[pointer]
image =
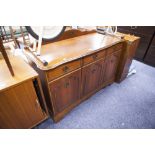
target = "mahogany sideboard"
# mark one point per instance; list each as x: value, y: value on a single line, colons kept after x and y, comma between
x: 80, y: 66
x: 22, y: 104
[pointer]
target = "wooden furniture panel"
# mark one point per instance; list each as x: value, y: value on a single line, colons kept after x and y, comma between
x: 143, y: 46
x: 150, y: 56
x: 22, y: 72
x: 66, y: 90
x: 63, y: 69
x: 118, y: 47
x: 110, y: 50
x: 91, y: 77
x: 115, y: 48
x: 111, y: 66
x: 22, y: 104
x: 20, y: 107
x: 126, y: 57
x: 71, y: 33
x: 94, y: 57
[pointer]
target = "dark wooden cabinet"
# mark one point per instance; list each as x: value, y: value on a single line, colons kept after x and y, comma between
x: 150, y: 56
x: 66, y: 90
x: 111, y: 65
x: 91, y: 77
x: 145, y: 33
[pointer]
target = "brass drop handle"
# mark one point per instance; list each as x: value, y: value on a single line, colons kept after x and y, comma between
x: 66, y: 85
x: 65, y: 69
x: 94, y: 56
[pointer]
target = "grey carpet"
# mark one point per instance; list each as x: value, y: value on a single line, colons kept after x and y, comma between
x: 130, y: 104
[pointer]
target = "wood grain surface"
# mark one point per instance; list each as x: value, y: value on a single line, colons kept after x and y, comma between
x: 70, y: 49
x: 21, y: 69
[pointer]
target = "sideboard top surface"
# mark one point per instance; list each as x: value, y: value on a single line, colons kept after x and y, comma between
x: 60, y: 52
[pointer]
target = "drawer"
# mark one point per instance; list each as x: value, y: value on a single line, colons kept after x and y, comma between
x: 118, y: 47
x: 63, y: 69
x: 115, y: 48
x: 93, y: 57
x: 117, y: 54
x: 110, y: 50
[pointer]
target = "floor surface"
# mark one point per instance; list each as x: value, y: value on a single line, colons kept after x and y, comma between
x: 128, y: 105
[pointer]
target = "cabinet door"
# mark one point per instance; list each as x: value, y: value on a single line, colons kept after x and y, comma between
x: 19, y: 107
x: 150, y: 56
x: 65, y: 91
x: 91, y: 77
x: 111, y: 66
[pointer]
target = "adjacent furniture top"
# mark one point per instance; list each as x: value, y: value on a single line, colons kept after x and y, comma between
x: 63, y: 51
x: 22, y: 72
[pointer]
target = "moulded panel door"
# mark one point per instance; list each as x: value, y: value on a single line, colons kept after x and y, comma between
x: 66, y: 90
x: 111, y: 66
x: 91, y: 77
x: 19, y: 107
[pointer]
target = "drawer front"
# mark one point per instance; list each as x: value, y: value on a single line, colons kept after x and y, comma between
x: 118, y: 47
x: 115, y: 48
x: 93, y: 57
x: 112, y: 62
x: 63, y: 69
x: 110, y: 50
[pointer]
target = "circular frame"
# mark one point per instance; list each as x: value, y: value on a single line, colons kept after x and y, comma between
x: 36, y: 36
